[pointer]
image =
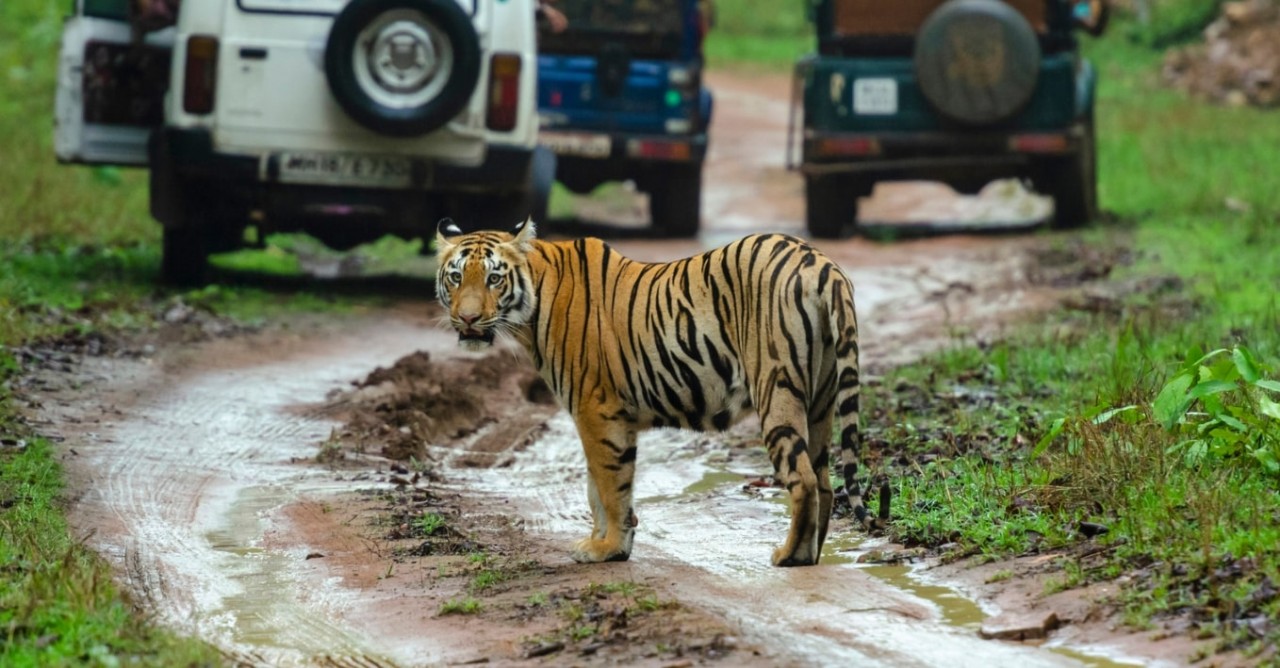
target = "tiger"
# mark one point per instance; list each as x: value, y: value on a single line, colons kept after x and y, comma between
x: 766, y: 321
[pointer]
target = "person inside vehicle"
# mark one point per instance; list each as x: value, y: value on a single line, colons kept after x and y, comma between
x: 554, y: 18
x: 151, y: 15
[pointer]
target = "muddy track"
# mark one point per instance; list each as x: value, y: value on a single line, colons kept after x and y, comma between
x: 195, y: 475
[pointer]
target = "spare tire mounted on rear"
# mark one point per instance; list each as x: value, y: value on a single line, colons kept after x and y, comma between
x: 402, y: 67
x: 977, y: 61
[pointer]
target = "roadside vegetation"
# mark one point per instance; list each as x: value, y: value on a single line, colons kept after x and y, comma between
x: 1144, y: 428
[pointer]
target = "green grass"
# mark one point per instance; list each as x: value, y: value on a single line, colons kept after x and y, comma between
x: 769, y: 33
x: 461, y: 606
x: 429, y: 523
x: 58, y: 605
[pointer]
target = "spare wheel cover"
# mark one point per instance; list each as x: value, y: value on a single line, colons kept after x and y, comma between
x: 977, y: 61
x: 402, y: 67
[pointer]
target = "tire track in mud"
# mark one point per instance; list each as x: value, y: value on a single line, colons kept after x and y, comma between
x: 184, y: 487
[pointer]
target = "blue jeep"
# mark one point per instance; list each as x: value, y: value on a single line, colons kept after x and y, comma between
x: 620, y: 97
x: 956, y: 90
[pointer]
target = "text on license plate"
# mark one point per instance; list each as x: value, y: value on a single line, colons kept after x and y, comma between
x: 583, y: 145
x: 345, y: 168
x: 875, y: 96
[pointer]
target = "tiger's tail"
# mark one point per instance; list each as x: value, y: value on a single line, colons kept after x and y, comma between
x: 844, y: 326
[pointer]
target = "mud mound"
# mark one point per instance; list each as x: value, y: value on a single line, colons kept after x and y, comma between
x: 403, y: 410
x: 1239, y: 62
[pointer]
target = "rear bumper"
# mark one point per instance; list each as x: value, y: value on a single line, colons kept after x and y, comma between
x: 841, y: 152
x: 617, y: 148
x: 642, y: 158
x: 190, y: 155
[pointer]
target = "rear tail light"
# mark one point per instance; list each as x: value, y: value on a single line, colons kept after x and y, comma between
x: 846, y: 146
x: 1039, y: 143
x: 504, y: 91
x: 201, y: 74
x: 659, y: 150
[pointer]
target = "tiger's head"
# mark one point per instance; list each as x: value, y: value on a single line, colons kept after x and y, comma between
x: 483, y: 280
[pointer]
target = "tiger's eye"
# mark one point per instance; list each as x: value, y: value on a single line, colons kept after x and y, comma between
x: 494, y: 280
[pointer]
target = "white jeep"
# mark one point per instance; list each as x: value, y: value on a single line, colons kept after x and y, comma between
x: 347, y: 120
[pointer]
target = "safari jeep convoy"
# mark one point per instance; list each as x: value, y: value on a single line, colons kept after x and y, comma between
x: 345, y: 120
x: 955, y: 90
x: 352, y: 119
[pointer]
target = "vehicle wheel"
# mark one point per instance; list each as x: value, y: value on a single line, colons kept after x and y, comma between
x: 1073, y: 184
x: 977, y: 61
x: 831, y: 203
x: 675, y: 203
x: 544, y: 177
x: 402, y: 67
x: 185, y: 255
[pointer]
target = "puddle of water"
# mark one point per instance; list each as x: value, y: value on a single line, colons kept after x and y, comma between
x: 711, y: 479
x: 956, y: 610
x: 1093, y: 660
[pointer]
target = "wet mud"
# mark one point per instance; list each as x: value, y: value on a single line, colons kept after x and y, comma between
x: 357, y: 491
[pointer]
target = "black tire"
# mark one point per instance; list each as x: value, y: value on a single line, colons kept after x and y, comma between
x: 977, y: 61
x: 831, y: 203
x: 1073, y: 184
x: 185, y: 255
x: 675, y: 203
x: 544, y: 177
x: 443, y: 19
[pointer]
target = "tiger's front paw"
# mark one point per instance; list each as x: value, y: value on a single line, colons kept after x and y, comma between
x: 590, y: 551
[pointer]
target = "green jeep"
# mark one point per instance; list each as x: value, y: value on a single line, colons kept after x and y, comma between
x: 960, y: 91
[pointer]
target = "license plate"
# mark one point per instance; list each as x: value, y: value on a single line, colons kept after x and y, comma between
x: 577, y: 144
x: 875, y: 97
x: 346, y: 169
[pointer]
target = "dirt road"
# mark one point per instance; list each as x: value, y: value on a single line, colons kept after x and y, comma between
x: 195, y: 474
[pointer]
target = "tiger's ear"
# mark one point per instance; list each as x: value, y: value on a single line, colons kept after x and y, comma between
x: 525, y: 232
x: 446, y: 229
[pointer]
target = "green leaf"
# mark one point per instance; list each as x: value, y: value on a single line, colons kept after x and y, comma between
x: 1055, y: 429
x: 1205, y: 358
x: 1192, y: 359
x: 1106, y: 416
x: 1245, y: 363
x: 1209, y: 387
x: 1172, y: 402
x: 1232, y: 422
x: 1272, y: 385
x: 1269, y: 408
x: 1267, y: 459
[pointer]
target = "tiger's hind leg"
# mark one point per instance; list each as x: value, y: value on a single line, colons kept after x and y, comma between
x: 610, y: 449
x: 820, y: 456
x: 785, y: 430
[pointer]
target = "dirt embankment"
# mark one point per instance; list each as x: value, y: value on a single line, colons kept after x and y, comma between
x: 1239, y: 61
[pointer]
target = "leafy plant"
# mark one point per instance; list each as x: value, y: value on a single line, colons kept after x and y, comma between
x: 486, y: 579
x: 1237, y: 415
x: 428, y: 524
